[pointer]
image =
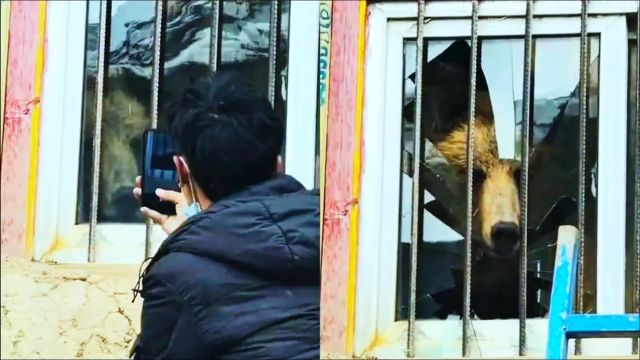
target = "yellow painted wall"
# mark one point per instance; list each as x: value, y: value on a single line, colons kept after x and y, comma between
x: 4, y: 41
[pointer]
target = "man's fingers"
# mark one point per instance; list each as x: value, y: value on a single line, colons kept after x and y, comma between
x: 168, y: 195
x: 153, y: 215
x: 137, y: 187
x: 137, y: 192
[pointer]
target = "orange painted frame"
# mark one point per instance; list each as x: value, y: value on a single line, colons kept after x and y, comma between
x: 25, y: 64
x: 343, y: 169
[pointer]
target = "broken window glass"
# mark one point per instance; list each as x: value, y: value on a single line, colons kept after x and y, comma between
x: 553, y: 174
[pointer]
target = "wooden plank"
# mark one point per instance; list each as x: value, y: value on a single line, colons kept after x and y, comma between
x: 20, y: 128
x: 344, y: 145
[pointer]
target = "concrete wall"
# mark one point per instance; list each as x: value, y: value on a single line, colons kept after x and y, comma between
x: 67, y: 311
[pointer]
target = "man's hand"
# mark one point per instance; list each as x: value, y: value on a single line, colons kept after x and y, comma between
x: 168, y: 223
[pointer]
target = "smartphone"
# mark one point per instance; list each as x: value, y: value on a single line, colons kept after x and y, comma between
x: 158, y: 170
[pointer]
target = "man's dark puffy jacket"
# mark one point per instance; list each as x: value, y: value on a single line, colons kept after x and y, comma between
x: 240, y: 280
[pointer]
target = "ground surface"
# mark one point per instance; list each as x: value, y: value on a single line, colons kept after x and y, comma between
x: 67, y: 311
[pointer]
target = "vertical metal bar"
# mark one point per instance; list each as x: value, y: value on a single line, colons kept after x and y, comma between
x: 524, y: 181
x: 156, y: 82
x: 274, y: 29
x: 103, y: 58
x: 466, y: 311
x: 636, y: 274
x: 418, y: 191
x: 158, y: 61
x: 216, y: 25
x: 539, y: 274
x: 584, y: 70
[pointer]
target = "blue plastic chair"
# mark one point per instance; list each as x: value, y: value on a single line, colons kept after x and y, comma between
x: 563, y: 323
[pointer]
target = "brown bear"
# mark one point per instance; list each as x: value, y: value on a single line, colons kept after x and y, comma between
x: 496, y: 231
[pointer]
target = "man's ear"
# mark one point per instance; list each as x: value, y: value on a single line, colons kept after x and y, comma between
x: 182, y: 168
x: 279, y: 165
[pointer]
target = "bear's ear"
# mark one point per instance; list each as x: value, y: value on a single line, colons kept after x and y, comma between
x: 458, y: 55
x: 449, y: 68
x: 445, y: 96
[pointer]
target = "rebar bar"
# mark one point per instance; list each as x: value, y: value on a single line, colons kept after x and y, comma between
x: 274, y: 29
x: 156, y: 84
x: 418, y: 191
x: 524, y: 181
x: 584, y: 66
x: 214, y: 40
x: 103, y: 58
x: 466, y: 311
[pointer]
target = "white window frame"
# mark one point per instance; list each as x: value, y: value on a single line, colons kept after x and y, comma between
x: 57, y: 236
x: 389, y: 24
x: 302, y: 93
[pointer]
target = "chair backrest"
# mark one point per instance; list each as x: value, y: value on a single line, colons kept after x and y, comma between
x: 563, y: 323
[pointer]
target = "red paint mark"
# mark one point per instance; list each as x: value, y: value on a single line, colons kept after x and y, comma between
x: 340, y: 171
x: 341, y: 210
x: 24, y: 43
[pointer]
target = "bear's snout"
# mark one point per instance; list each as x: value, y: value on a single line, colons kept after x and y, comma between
x: 505, y: 237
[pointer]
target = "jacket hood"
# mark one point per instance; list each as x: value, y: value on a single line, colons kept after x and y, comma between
x: 271, y: 229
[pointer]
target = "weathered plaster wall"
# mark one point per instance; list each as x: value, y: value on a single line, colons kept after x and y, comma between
x: 65, y: 311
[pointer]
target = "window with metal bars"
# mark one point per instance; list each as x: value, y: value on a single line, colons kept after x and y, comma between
x: 119, y: 63
x: 194, y: 38
x: 497, y: 172
x: 475, y: 235
x: 150, y: 51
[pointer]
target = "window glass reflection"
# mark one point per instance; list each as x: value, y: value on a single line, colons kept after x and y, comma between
x: 127, y: 95
x: 126, y: 109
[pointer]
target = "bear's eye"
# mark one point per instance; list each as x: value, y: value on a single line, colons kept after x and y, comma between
x: 517, y: 175
x: 517, y: 178
x: 479, y: 175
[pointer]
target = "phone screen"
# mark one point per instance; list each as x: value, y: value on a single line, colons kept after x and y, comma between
x: 158, y: 170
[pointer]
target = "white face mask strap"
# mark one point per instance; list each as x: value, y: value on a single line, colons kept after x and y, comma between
x: 193, y: 208
x: 194, y: 194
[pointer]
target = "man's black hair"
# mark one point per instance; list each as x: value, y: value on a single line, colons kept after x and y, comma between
x: 228, y: 133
